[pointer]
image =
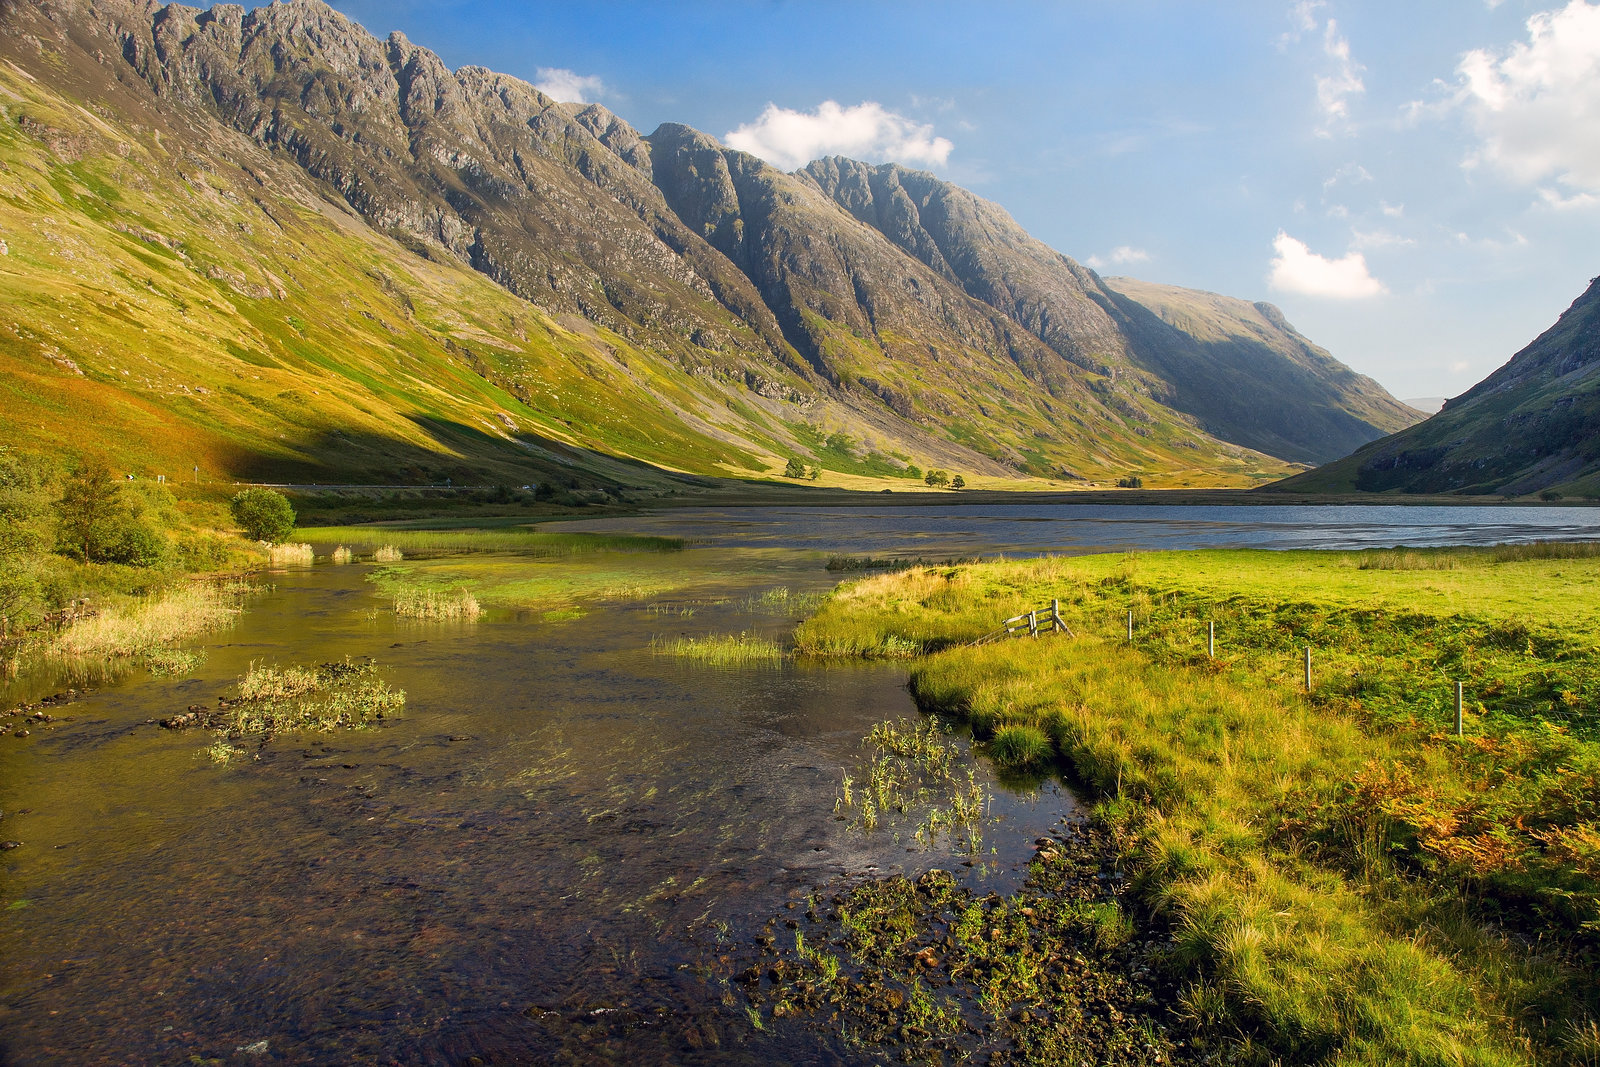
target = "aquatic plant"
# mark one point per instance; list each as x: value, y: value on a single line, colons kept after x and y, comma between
x: 343, y: 695
x: 388, y: 554
x: 426, y: 602
x: 290, y: 555
x: 167, y: 662
x: 341, y: 555
x: 148, y: 627
x: 723, y: 650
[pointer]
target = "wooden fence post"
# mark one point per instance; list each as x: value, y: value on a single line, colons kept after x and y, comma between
x: 1033, y: 624
x: 1211, y: 640
x: 1130, y: 626
x: 1458, y: 709
x: 1308, y: 668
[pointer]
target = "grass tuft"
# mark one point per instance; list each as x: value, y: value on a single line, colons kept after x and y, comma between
x: 422, y: 602
x: 723, y: 650
x: 388, y: 554
x: 291, y: 555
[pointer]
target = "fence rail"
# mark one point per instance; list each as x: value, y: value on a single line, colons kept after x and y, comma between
x: 1040, y: 620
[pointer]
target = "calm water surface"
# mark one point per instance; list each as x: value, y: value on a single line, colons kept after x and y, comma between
x: 563, y: 847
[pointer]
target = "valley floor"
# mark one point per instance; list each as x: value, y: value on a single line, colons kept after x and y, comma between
x: 1330, y: 872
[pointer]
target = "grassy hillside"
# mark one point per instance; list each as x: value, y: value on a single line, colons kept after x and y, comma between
x: 305, y: 302
x: 1531, y: 427
x: 1342, y: 879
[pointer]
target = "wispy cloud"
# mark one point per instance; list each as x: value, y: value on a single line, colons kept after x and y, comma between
x: 1297, y: 269
x: 1335, y: 88
x: 569, y: 87
x: 1121, y: 256
x: 868, y: 131
x: 1536, y: 105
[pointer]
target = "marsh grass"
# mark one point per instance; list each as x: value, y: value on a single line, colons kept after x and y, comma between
x: 290, y: 555
x: 1344, y: 882
x: 780, y: 601
x: 521, y: 540
x: 912, y: 772
x: 342, y: 555
x: 424, y: 602
x: 171, y: 662
x: 329, y: 697
x: 388, y: 554
x: 723, y: 650
x: 146, y: 631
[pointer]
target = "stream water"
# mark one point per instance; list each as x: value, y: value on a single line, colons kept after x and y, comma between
x: 558, y: 852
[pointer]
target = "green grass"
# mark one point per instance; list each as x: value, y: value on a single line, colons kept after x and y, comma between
x: 1344, y: 880
x: 321, y: 699
x: 420, y: 602
x: 723, y: 650
x: 521, y: 540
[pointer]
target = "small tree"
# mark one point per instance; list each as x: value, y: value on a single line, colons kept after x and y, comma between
x: 958, y: 482
x: 88, y: 512
x: 263, y: 514
x: 1132, y: 481
x: 795, y: 469
x: 937, y: 478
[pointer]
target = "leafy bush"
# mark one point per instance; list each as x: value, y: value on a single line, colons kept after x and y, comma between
x: 794, y: 469
x: 937, y: 478
x: 263, y: 514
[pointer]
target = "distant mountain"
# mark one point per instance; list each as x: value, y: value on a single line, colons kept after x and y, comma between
x: 1533, y: 426
x: 268, y: 243
x: 1250, y: 377
x: 1428, y: 405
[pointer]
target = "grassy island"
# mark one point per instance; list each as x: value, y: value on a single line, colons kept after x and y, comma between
x: 1342, y: 878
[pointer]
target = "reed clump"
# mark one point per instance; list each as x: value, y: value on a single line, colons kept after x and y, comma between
x: 332, y: 696
x: 424, y: 602
x: 743, y: 649
x: 290, y: 555
x: 342, y: 555
x: 146, y: 630
x: 388, y: 554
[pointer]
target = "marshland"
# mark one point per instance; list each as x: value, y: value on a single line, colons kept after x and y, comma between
x: 667, y: 788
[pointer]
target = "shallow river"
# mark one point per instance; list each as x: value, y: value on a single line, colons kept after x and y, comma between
x: 559, y: 851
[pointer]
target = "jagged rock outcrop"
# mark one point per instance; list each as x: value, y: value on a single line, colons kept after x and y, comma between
x: 876, y: 299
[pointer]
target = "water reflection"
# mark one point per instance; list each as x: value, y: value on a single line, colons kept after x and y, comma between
x: 987, y: 529
x: 560, y: 833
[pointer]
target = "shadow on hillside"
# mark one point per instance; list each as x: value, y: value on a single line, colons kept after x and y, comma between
x: 458, y: 455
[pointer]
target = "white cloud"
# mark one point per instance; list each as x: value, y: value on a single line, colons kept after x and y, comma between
x: 568, y: 87
x: 1555, y: 200
x: 1334, y: 90
x: 1537, y: 105
x: 868, y: 131
x: 1297, y: 269
x: 1380, y: 239
x: 1302, y: 20
x: 1350, y: 173
x: 1460, y: 367
x: 1121, y: 256
x: 1393, y: 211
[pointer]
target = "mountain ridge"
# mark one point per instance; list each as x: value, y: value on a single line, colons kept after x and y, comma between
x: 1532, y: 426
x: 784, y: 317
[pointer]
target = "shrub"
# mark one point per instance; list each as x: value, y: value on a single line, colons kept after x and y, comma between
x: 794, y: 469
x: 263, y: 514
x: 1132, y: 481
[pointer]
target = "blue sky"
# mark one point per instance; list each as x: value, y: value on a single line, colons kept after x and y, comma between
x: 1417, y: 185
